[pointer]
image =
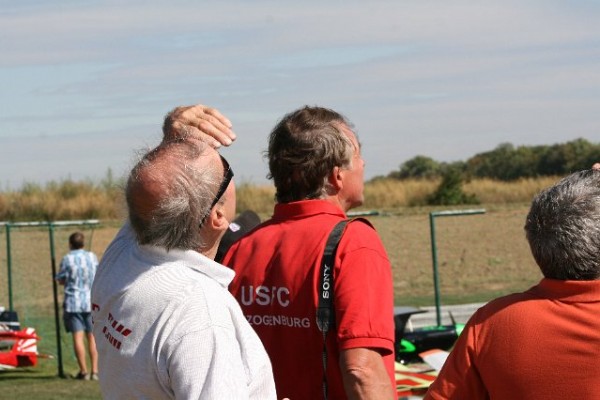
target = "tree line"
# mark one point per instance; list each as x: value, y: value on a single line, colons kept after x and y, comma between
x: 83, y: 200
x: 508, y: 162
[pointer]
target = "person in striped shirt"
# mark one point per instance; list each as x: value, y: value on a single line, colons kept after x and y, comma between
x: 77, y: 271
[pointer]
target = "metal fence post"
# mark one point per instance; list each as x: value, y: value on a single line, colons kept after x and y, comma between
x: 436, y: 280
x: 61, y: 372
x: 9, y: 268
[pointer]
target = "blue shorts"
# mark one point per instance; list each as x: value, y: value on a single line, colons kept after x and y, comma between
x: 75, y: 322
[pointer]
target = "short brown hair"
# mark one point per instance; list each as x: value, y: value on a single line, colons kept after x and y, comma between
x: 304, y: 147
x: 76, y: 240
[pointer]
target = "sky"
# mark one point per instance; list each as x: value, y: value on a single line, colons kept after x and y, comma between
x: 85, y: 85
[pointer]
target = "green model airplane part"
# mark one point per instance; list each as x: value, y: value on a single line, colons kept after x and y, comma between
x: 409, y: 343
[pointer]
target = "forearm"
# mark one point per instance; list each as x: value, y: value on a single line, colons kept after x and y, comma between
x: 364, y: 375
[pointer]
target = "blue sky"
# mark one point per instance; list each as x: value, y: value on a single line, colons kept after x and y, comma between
x: 85, y: 84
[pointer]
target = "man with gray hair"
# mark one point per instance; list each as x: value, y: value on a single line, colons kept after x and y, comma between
x: 165, y: 325
x: 542, y: 343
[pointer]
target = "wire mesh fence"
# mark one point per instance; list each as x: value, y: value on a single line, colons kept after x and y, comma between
x: 30, y: 255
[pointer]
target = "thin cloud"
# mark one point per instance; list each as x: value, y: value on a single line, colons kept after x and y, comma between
x: 444, y: 79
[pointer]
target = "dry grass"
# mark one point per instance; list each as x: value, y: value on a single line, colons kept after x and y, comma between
x: 257, y: 198
x: 392, y: 193
x: 489, y: 191
x: 80, y: 200
x: 479, y: 256
x: 66, y: 200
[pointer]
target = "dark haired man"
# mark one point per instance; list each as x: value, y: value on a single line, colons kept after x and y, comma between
x: 165, y: 324
x: 77, y: 271
x: 542, y: 343
x: 317, y: 168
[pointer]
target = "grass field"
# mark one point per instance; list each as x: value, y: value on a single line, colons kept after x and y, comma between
x: 479, y: 257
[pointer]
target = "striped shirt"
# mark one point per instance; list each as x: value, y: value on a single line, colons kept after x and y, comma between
x: 78, y: 269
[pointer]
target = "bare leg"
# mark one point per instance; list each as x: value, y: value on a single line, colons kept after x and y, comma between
x: 79, y: 347
x: 93, y: 352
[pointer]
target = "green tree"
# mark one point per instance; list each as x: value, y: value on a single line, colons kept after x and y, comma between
x: 450, y: 190
x: 417, y: 167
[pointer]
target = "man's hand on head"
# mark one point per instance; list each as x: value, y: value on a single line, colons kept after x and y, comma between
x: 199, y: 122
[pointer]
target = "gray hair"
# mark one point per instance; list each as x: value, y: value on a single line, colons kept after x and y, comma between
x: 167, y: 195
x: 563, y: 228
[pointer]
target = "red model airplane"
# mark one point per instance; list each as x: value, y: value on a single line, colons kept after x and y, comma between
x: 23, y: 348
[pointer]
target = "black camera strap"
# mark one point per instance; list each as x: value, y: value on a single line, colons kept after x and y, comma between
x: 325, y: 309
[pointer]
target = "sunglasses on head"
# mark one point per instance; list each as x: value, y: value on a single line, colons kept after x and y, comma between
x: 227, y: 175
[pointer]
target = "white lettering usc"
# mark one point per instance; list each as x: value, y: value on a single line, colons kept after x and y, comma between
x: 265, y: 295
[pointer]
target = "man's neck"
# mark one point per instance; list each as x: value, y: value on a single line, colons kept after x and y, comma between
x: 209, y: 252
x: 338, y: 202
x: 212, y: 246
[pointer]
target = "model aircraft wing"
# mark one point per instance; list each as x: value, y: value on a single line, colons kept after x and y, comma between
x: 23, y: 352
x: 413, y: 379
x: 435, y: 358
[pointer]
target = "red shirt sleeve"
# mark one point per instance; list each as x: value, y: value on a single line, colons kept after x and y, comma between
x: 364, y: 299
x: 459, y: 378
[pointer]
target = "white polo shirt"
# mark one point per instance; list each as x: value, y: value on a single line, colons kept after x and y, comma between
x: 167, y: 328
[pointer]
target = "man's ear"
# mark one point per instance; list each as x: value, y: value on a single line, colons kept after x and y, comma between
x: 336, y: 178
x: 218, y: 220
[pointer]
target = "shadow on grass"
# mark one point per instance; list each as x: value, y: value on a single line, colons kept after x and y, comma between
x: 31, y: 384
x: 26, y: 373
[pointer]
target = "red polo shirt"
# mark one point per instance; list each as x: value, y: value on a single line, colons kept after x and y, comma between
x: 277, y: 269
x: 540, y: 344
